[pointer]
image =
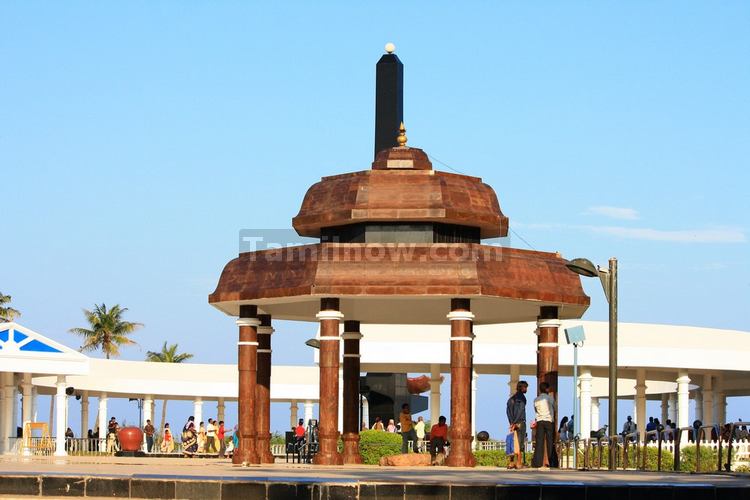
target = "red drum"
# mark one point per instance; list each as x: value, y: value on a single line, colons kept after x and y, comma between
x: 131, y: 438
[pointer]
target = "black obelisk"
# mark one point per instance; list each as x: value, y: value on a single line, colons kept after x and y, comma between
x: 389, y: 101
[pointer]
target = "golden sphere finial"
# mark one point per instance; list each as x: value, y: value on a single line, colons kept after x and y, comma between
x: 401, y: 139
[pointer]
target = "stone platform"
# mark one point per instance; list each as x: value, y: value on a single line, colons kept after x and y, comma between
x: 127, y: 477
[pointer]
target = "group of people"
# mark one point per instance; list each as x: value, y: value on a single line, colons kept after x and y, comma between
x: 207, y: 439
x: 545, y: 454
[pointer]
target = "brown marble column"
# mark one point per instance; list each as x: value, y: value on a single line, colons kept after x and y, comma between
x: 263, y: 391
x: 547, y: 350
x: 328, y: 432
x: 247, y: 365
x: 350, y: 437
x: 461, y: 364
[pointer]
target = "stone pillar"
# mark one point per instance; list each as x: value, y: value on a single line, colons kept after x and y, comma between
x: 462, y: 340
x: 247, y: 359
x: 27, y: 399
x: 474, y: 377
x: 594, y: 414
x: 220, y: 409
x: 683, y: 400
x: 308, y: 412
x: 720, y: 407
x: 698, y: 397
x: 328, y: 433
x: 664, y: 408
x: 547, y: 351
x: 198, y: 411
x: 293, y: 412
x: 148, y: 414
x: 640, y: 403
x: 263, y: 391
x: 435, y: 383
x: 34, y: 405
x: 351, y: 424
x: 515, y: 376
x: 61, y: 424
x: 708, y: 401
x: 103, y: 421
x: 585, y: 417
x: 672, y: 408
x: 84, y: 414
x: 365, y: 411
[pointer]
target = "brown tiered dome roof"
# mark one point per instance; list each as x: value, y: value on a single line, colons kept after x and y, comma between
x: 401, y: 187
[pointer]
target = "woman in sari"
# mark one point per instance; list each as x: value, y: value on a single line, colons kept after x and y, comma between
x: 189, y: 439
x: 167, y: 443
x: 202, y: 438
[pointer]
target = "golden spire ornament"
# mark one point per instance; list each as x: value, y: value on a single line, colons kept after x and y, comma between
x: 401, y: 139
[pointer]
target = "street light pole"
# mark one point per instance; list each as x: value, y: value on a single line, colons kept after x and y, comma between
x: 612, y: 298
x: 608, y: 277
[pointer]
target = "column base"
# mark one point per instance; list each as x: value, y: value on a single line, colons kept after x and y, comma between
x: 245, y: 454
x: 328, y: 454
x: 460, y: 453
x: 351, y: 454
x: 263, y: 447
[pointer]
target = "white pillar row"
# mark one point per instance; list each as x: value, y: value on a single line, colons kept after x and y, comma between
x: 683, y: 400
x: 672, y: 408
x: 26, y: 408
x: 474, y: 377
x: 198, y: 411
x: 595, y: 414
x: 293, y: 412
x: 435, y: 383
x: 61, y: 424
x: 84, y: 414
x: 220, y: 409
x: 9, y: 420
x: 708, y: 400
x: 103, y: 421
x: 640, y: 403
x: 664, y: 408
x: 698, y: 397
x: 584, y: 396
x: 515, y: 375
x: 308, y: 411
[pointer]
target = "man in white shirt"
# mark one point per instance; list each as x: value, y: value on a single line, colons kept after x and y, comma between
x: 544, y: 444
x: 419, y: 429
x: 211, y: 437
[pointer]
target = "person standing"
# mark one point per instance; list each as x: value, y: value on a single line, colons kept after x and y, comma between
x: 407, y: 430
x: 211, y: 437
x: 220, y: 432
x: 419, y: 429
x: 149, y: 431
x: 544, y: 444
x: 378, y: 425
x: 516, y: 412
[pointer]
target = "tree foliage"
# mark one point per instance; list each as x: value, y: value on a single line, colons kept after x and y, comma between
x: 107, y: 330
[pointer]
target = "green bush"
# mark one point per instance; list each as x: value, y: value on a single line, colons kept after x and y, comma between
x: 491, y: 458
x: 709, y: 458
x: 376, y: 444
x: 277, y: 438
x: 742, y: 468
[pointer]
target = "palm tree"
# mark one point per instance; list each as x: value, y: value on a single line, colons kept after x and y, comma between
x: 108, y: 330
x: 7, y: 313
x: 167, y: 355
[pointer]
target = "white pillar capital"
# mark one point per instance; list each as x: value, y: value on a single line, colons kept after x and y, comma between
x: 248, y: 322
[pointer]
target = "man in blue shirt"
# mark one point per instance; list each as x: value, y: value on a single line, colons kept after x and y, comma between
x: 516, y: 411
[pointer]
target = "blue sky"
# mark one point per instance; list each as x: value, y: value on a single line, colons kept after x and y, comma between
x: 138, y: 138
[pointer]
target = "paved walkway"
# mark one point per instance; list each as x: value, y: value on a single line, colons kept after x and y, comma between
x: 215, y: 469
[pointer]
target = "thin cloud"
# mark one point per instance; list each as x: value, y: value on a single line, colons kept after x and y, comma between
x: 718, y: 234
x: 621, y: 213
x: 713, y: 235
